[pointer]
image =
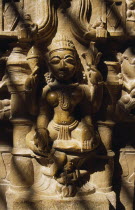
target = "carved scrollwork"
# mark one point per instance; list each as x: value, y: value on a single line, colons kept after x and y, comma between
x: 85, y: 26
x: 81, y: 17
x: 47, y: 24
x: 27, y: 21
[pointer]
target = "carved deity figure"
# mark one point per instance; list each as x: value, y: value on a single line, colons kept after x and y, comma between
x: 65, y: 121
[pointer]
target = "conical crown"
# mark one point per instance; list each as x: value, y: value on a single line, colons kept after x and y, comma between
x: 61, y: 42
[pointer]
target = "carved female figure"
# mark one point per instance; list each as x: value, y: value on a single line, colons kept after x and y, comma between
x: 64, y: 121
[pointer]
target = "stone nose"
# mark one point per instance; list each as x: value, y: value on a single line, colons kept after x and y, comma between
x: 63, y: 64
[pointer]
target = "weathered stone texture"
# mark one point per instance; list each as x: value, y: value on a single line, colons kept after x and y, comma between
x: 67, y: 104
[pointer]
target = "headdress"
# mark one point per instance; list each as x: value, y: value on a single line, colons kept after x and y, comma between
x: 61, y: 42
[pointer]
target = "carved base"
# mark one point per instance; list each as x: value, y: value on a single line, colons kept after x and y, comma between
x: 3, y: 188
x: 27, y: 200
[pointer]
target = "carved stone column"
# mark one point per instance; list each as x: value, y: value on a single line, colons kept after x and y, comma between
x: 21, y: 178
x: 21, y: 167
x: 127, y: 157
x: 17, y: 72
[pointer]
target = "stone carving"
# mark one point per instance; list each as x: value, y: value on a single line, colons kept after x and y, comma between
x: 130, y: 16
x: 11, y: 14
x: 130, y: 10
x: 27, y: 21
x: 85, y: 24
x: 5, y: 109
x: 67, y: 104
x: 5, y: 102
x: 126, y: 102
x: 28, y: 29
x: 64, y: 123
x: 128, y: 175
x: 114, y: 16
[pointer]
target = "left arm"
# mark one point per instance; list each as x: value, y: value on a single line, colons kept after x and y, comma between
x: 96, y: 89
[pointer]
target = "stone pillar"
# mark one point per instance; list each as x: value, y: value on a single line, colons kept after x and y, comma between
x: 21, y: 178
x: 17, y: 72
x: 127, y: 162
x: 106, y: 133
x: 102, y: 178
x: 5, y: 158
x: 21, y: 168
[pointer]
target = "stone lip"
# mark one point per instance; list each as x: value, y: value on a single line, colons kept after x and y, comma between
x: 5, y: 148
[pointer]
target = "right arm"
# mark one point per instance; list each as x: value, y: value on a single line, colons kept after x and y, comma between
x: 42, y: 134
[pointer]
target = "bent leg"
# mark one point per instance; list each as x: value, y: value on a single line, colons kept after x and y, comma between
x: 85, y: 134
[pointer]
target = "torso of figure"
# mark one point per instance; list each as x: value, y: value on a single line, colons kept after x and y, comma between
x: 64, y: 99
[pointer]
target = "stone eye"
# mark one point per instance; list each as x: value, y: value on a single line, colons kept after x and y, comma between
x: 55, y: 61
x: 70, y: 60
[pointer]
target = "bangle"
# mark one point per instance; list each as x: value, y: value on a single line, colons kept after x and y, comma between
x: 41, y: 128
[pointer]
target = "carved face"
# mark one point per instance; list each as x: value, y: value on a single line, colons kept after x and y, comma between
x: 63, y: 64
x: 130, y: 4
x: 128, y: 68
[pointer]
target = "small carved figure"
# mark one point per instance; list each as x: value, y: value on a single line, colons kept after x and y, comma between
x: 127, y: 61
x: 130, y: 10
x: 5, y: 104
x: 5, y: 108
x: 65, y: 118
x: 30, y: 28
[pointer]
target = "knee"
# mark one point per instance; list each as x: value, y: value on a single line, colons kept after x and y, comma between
x: 87, y: 133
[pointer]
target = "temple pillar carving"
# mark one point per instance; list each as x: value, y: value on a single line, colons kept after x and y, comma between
x: 67, y: 104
